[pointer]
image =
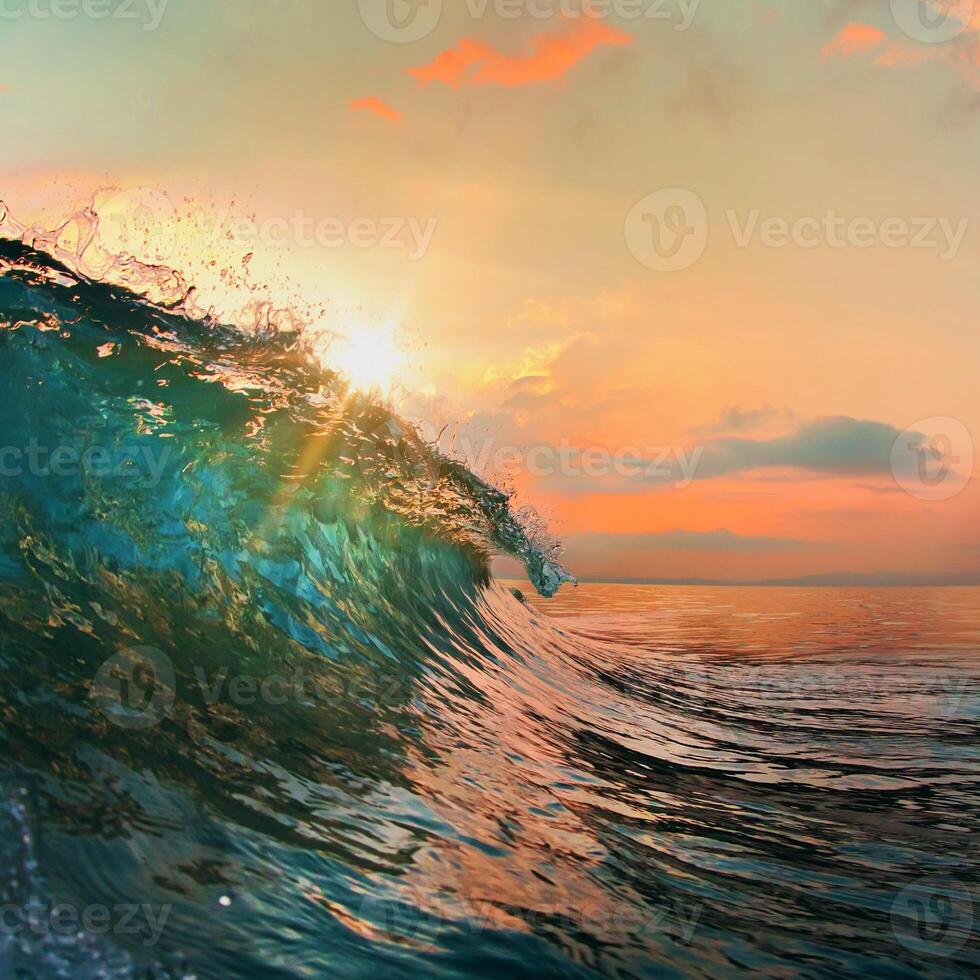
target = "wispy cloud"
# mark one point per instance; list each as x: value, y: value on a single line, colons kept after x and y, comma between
x: 377, y: 107
x: 553, y: 54
x: 736, y: 419
x: 837, y: 445
x: 962, y: 53
x: 721, y: 540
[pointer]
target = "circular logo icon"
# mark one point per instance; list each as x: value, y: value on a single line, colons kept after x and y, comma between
x: 933, y: 459
x: 667, y: 231
x: 933, y: 917
x: 136, y: 687
x: 140, y: 223
x: 401, y: 21
x: 933, y: 21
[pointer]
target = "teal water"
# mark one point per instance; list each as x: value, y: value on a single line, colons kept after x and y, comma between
x: 264, y: 712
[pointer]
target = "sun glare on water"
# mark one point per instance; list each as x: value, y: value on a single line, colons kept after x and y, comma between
x: 368, y: 357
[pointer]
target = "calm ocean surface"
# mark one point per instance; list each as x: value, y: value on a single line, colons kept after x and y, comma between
x: 623, y: 782
x: 808, y: 790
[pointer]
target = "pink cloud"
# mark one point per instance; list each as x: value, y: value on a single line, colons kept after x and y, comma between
x: 552, y: 56
x: 853, y: 39
x: 376, y: 106
x: 962, y: 54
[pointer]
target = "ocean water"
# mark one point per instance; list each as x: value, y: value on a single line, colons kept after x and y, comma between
x: 265, y: 713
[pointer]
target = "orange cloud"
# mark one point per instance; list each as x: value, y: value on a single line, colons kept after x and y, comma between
x: 854, y: 39
x: 379, y: 108
x: 963, y: 57
x: 553, y: 54
x: 896, y: 56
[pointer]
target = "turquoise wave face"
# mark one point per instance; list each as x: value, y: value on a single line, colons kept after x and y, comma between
x: 186, y: 446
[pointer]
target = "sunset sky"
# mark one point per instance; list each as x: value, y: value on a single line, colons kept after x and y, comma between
x: 728, y: 250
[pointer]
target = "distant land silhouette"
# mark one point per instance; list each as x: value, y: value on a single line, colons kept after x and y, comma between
x: 828, y: 580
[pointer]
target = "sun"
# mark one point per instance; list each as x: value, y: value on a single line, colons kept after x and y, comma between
x: 367, y: 356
